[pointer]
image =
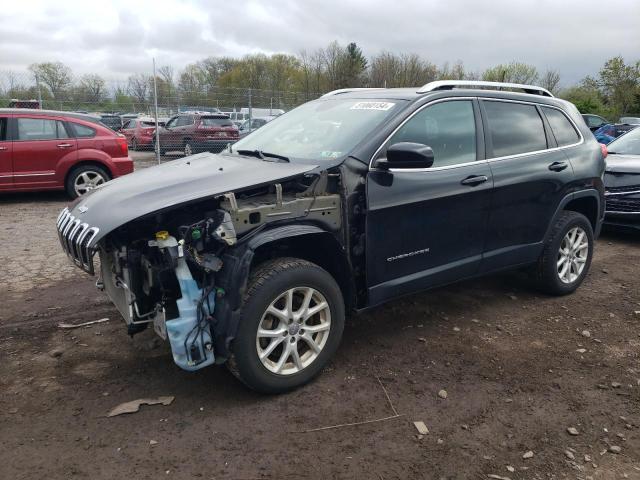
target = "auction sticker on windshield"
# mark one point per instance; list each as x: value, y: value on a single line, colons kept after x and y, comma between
x: 372, y: 106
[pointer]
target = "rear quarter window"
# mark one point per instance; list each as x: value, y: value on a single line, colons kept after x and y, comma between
x: 514, y: 128
x: 82, y: 131
x: 561, y: 127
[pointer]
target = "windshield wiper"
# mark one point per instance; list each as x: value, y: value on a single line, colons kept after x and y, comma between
x: 262, y: 155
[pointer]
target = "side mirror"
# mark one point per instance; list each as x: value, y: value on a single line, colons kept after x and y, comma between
x: 407, y: 155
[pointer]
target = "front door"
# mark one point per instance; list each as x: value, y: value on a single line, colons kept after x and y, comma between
x: 6, y: 164
x: 426, y: 227
x: 39, y: 145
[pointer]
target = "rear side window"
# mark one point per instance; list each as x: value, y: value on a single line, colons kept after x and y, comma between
x: 40, y: 129
x: 449, y: 128
x: 514, y: 128
x: 82, y: 131
x: 3, y: 129
x: 561, y: 127
x: 216, y: 122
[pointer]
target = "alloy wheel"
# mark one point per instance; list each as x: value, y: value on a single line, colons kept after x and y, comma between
x: 187, y: 150
x: 88, y: 180
x: 572, y: 256
x: 293, y: 330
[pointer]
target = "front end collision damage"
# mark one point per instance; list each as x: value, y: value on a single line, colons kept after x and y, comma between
x: 185, y: 269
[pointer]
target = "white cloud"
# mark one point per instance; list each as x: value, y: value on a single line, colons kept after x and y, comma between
x: 120, y: 37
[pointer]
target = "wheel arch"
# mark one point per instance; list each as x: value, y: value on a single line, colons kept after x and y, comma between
x: 82, y: 163
x: 587, y: 202
x: 318, y: 247
x: 308, y: 242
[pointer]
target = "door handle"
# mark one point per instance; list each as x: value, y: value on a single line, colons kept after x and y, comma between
x: 558, y: 166
x: 64, y: 145
x: 474, y: 180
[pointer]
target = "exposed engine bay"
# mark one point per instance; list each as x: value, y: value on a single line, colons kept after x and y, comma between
x: 165, y: 268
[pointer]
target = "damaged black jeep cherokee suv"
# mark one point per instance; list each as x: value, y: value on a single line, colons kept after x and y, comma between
x: 253, y: 257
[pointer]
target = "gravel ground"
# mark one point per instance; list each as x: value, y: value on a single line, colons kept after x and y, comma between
x: 519, y: 369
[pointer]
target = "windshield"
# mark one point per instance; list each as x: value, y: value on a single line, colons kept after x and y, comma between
x: 321, y: 129
x: 627, y: 144
x: 216, y: 122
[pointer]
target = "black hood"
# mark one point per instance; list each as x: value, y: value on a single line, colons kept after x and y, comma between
x: 174, y: 183
x: 623, y: 163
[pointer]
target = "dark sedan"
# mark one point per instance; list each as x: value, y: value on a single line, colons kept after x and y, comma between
x: 622, y: 181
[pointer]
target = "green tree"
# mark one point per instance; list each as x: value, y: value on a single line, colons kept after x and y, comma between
x: 56, y: 76
x: 620, y: 85
x: 514, y: 72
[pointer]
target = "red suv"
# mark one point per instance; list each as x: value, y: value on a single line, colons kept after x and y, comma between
x: 197, y: 132
x: 51, y: 150
x: 139, y: 132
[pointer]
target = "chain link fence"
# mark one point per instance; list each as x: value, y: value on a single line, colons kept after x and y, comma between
x: 190, y: 116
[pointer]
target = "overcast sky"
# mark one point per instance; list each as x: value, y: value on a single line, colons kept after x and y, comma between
x: 118, y: 38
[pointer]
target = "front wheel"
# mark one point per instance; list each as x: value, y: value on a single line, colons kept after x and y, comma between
x: 134, y: 144
x: 291, y: 325
x: 567, y: 254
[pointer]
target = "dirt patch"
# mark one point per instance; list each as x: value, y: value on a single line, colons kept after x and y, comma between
x: 518, y: 369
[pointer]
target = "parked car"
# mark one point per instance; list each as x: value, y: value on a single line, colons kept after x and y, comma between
x: 629, y: 121
x: 594, y: 122
x: 622, y: 181
x: 51, y: 150
x: 16, y: 103
x: 192, y: 133
x: 238, y: 118
x: 249, y: 126
x: 610, y: 131
x: 113, y: 121
x: 255, y: 255
x: 139, y: 132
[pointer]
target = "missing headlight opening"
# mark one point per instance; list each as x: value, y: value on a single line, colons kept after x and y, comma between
x: 168, y: 269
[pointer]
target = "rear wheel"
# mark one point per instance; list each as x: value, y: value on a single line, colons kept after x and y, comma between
x: 292, y: 322
x: 567, y: 254
x: 85, y: 178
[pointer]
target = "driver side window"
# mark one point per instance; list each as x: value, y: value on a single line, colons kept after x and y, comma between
x: 449, y: 128
x: 171, y: 123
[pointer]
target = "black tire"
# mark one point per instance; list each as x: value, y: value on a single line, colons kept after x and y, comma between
x: 546, y: 274
x: 74, y: 174
x: 134, y: 144
x: 266, y: 283
x: 161, y: 151
x: 188, y: 148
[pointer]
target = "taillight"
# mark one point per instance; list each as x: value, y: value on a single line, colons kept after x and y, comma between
x: 604, y: 150
x: 122, y: 143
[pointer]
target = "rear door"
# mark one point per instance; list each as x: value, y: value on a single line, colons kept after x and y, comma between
x: 40, y: 144
x: 169, y: 134
x: 426, y: 227
x: 530, y: 175
x: 129, y: 130
x: 6, y: 147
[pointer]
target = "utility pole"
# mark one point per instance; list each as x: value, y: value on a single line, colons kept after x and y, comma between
x: 39, y: 91
x: 155, y: 106
x: 250, y: 109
